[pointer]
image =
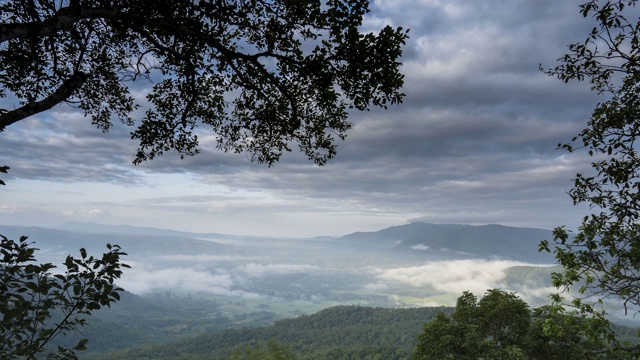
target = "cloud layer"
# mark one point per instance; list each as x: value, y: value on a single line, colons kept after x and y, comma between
x: 474, y: 142
x: 453, y: 276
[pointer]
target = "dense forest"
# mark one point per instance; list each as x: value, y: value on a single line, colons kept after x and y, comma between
x: 342, y: 332
x: 499, y: 325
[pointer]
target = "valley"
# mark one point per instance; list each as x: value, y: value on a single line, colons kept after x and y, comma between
x: 182, y: 285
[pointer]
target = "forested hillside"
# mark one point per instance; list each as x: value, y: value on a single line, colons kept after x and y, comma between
x: 358, y: 332
x: 342, y: 332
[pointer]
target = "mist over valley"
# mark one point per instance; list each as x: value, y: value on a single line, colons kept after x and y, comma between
x: 184, y: 286
x: 417, y: 264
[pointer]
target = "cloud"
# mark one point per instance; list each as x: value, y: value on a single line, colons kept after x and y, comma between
x: 142, y: 278
x: 453, y: 276
x: 260, y: 270
x: 535, y: 295
x: 71, y: 152
x: 204, y: 258
x: 376, y: 287
x: 474, y: 141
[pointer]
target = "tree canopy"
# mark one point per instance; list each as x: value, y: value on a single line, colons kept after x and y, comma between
x: 602, y: 259
x: 264, y: 75
x: 489, y: 328
x: 502, y: 326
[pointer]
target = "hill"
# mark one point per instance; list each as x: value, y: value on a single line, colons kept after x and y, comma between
x: 93, y: 227
x: 333, y: 333
x: 58, y: 241
x: 157, y: 318
x: 487, y: 241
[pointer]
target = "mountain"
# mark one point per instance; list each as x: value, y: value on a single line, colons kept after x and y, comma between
x: 487, y: 241
x: 418, y: 239
x: 56, y: 241
x: 93, y: 227
x: 408, y: 265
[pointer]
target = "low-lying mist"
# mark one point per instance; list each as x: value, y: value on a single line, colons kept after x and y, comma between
x: 407, y: 268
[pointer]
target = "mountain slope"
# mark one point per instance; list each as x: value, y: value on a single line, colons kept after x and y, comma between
x: 55, y: 244
x: 92, y: 227
x: 352, y: 331
x: 487, y: 241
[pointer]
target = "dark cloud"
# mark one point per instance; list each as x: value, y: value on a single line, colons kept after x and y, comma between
x: 65, y: 146
x: 474, y: 141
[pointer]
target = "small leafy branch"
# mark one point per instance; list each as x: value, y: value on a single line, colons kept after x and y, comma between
x: 37, y: 305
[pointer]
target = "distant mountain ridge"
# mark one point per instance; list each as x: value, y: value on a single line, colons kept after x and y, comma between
x: 419, y: 238
x: 57, y: 240
x: 483, y: 240
x: 93, y: 227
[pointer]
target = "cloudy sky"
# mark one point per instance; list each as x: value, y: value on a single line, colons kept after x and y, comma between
x: 474, y: 142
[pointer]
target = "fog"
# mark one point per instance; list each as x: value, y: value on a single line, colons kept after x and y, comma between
x: 407, y: 268
x: 452, y: 276
x: 327, y: 270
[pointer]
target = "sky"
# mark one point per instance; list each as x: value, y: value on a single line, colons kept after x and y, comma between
x: 474, y: 142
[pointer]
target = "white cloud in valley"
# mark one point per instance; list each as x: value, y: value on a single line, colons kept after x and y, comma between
x: 255, y: 270
x: 452, y: 276
x: 143, y: 278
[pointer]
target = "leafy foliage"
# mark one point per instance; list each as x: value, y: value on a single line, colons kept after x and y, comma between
x: 38, y: 304
x: 602, y: 260
x: 492, y: 327
x: 501, y: 326
x: 262, y: 74
x: 556, y: 335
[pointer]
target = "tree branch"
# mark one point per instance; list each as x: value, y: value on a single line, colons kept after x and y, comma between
x: 61, y: 94
x: 61, y: 20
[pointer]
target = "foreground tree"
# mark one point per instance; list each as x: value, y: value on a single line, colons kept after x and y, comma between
x: 501, y: 326
x: 38, y: 304
x: 602, y: 260
x: 264, y: 75
x: 554, y: 334
x: 491, y: 328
